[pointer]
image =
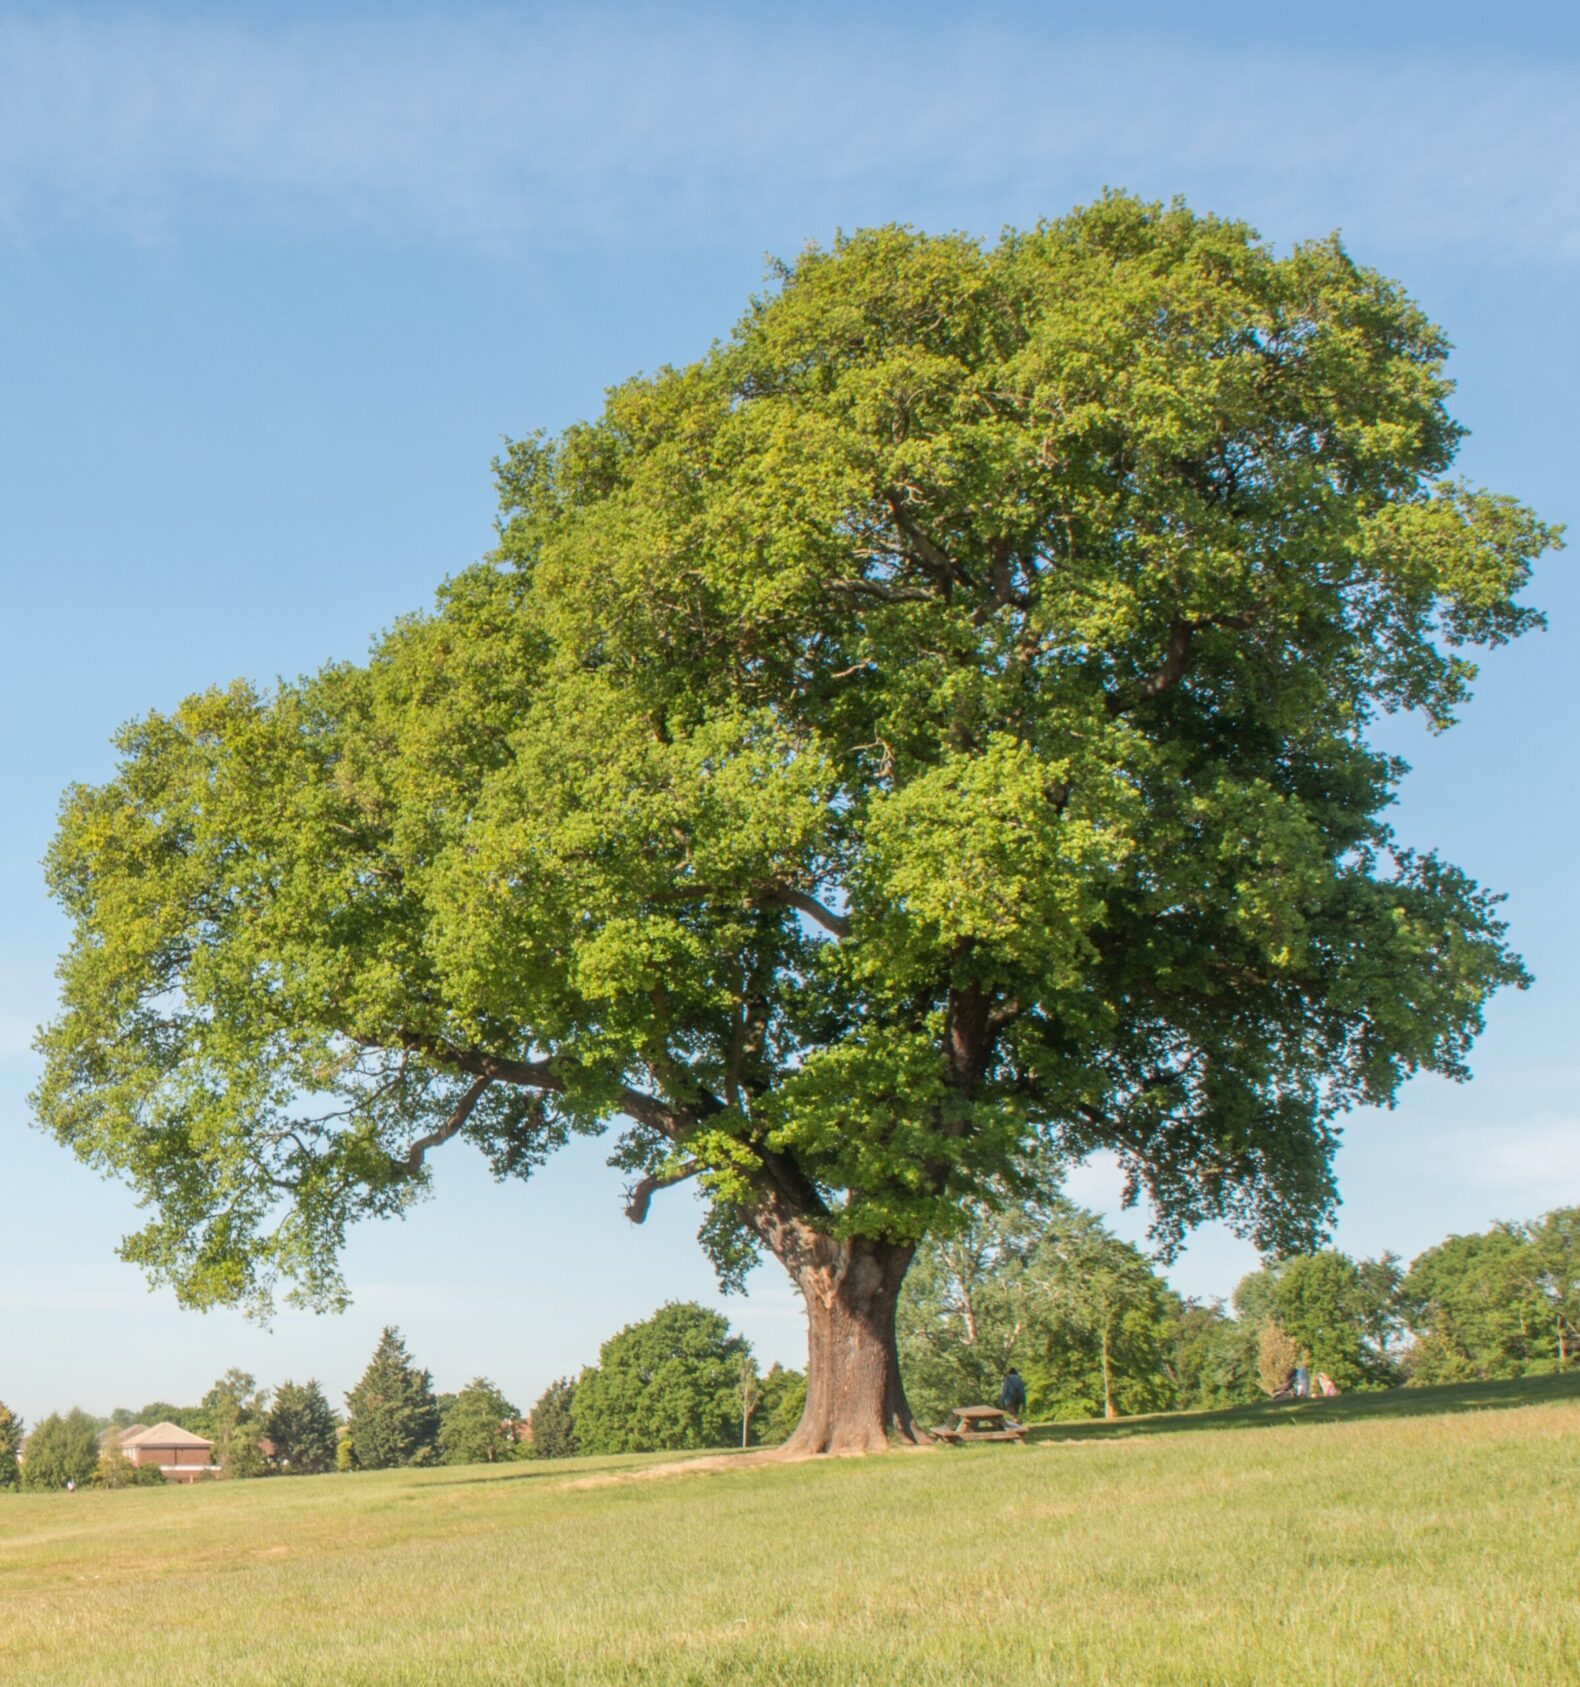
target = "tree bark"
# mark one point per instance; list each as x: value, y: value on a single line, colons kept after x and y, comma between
x: 855, y: 1399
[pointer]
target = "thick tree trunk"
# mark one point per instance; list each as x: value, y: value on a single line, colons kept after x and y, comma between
x: 855, y: 1400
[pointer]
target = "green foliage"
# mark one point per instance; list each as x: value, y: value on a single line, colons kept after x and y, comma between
x: 1341, y: 1315
x: 234, y: 1409
x: 392, y: 1414
x: 61, y: 1449
x: 1209, y: 1360
x: 664, y: 1384
x: 11, y: 1437
x: 302, y: 1426
x: 114, y: 1469
x: 554, y: 1422
x: 1553, y: 1268
x: 930, y: 731
x: 1044, y: 1287
x: 779, y: 1411
x: 1501, y: 1304
x: 478, y: 1426
x: 196, y: 1420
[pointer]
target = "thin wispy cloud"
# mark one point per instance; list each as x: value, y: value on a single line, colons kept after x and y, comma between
x: 1529, y: 1167
x: 666, y: 128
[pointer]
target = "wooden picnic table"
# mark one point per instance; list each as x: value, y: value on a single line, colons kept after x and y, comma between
x: 980, y: 1423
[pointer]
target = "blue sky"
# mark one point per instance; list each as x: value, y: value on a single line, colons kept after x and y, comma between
x: 274, y: 281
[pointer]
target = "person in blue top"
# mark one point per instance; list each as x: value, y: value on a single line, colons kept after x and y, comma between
x: 1012, y: 1396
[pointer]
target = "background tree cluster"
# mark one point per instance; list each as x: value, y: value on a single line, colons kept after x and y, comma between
x: 1041, y: 1285
x: 1094, y: 1329
x: 678, y: 1380
x: 1504, y: 1303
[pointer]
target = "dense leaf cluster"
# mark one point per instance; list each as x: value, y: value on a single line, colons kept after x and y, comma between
x: 667, y: 1383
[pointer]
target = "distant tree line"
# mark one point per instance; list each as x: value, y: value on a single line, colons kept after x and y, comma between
x: 678, y: 1380
x: 1095, y: 1330
x: 1041, y: 1285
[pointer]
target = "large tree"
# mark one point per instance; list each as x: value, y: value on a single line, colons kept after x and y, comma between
x: 1481, y: 1306
x: 929, y: 733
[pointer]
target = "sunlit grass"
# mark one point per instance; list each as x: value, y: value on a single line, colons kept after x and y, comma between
x: 1373, y: 1547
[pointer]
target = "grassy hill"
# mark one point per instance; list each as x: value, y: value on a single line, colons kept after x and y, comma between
x: 1428, y: 1536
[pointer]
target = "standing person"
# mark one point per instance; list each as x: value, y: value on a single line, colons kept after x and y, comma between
x: 1303, y: 1379
x: 1012, y: 1396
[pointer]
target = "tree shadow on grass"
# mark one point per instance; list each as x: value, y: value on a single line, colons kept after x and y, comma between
x: 525, y: 1471
x: 1346, y: 1408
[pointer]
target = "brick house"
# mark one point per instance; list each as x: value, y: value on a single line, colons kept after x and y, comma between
x: 180, y: 1455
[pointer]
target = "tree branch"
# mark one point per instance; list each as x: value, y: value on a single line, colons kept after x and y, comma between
x: 884, y: 594
x: 929, y: 554
x: 838, y: 924
x: 1176, y: 657
x: 642, y: 1193
x: 437, y: 1139
x: 1175, y: 660
x: 646, y: 1109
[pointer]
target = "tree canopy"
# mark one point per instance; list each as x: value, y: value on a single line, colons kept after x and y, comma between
x: 1045, y: 1287
x: 1504, y: 1303
x: 478, y: 1426
x: 667, y: 1383
x: 62, y: 1448
x: 927, y: 736
x: 553, y: 1423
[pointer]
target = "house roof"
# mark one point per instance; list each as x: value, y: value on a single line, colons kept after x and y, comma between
x: 123, y: 1435
x: 165, y: 1435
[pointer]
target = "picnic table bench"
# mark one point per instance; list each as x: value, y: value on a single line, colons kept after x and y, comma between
x: 980, y: 1423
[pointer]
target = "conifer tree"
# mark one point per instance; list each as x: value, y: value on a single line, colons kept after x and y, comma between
x: 302, y: 1426
x: 553, y: 1426
x: 392, y: 1412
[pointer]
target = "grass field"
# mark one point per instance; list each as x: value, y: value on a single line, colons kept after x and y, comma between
x: 1429, y: 1536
